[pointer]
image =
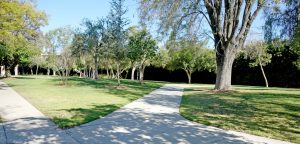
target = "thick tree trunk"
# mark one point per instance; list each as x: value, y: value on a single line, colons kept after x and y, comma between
x: 189, y: 75
x: 263, y: 73
x: 7, y: 71
x: 132, y: 72
x: 37, y: 70
x: 224, y: 70
x: 16, y: 70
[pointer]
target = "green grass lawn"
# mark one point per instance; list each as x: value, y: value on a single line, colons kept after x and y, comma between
x: 81, y: 101
x: 270, y: 112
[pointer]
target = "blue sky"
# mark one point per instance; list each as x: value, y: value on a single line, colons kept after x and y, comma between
x: 71, y: 12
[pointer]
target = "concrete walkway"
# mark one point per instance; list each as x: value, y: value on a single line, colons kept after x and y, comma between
x: 152, y: 119
x: 24, y: 123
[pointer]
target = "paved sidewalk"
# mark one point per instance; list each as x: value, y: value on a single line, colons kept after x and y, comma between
x: 155, y: 118
x: 152, y: 119
x: 24, y: 123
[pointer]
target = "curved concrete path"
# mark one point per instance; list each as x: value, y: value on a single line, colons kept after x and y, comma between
x: 154, y: 118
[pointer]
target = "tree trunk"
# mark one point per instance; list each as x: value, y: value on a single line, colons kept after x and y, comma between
x: 54, y: 72
x: 189, y: 75
x: 37, y: 70
x: 112, y: 74
x: 16, y: 70
x: 263, y: 73
x: 118, y: 74
x: 224, y: 70
x: 142, y: 69
x: 95, y: 76
x: 107, y: 72
x: 31, y: 71
x: 7, y: 71
x: 2, y: 70
x: 48, y: 71
x: 132, y: 72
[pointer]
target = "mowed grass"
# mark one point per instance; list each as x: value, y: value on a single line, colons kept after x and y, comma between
x: 82, y: 100
x: 269, y: 112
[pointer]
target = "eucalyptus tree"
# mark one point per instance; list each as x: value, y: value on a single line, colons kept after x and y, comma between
x: 258, y: 52
x: 190, y: 55
x: 117, y: 33
x: 141, y: 48
x: 229, y: 21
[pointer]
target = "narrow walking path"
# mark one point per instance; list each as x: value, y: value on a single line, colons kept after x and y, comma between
x: 24, y: 123
x: 154, y: 118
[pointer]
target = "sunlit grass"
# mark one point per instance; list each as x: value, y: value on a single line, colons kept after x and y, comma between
x: 270, y: 112
x: 82, y: 100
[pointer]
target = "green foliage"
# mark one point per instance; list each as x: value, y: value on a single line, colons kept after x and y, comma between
x: 116, y: 31
x: 295, y: 46
x: 59, y: 53
x: 19, y: 26
x: 161, y: 59
x: 258, y: 53
x: 141, y: 46
x: 191, y: 55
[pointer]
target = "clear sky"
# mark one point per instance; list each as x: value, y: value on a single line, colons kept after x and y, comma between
x: 71, y: 12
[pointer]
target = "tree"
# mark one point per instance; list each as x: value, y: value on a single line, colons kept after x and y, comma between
x: 229, y: 22
x: 19, y: 26
x: 257, y: 52
x: 94, y: 36
x: 161, y: 59
x: 190, y: 55
x: 141, y: 48
x: 64, y: 64
x: 295, y: 45
x: 117, y: 33
x: 284, y: 17
x: 59, y: 39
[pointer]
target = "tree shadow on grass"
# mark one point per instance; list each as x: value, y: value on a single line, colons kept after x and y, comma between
x: 84, y: 115
x: 258, y: 113
x: 130, y: 90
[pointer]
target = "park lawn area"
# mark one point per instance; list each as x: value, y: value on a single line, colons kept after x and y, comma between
x: 82, y: 100
x: 270, y: 112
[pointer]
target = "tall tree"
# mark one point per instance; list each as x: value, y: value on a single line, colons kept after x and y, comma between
x: 19, y: 26
x: 59, y: 39
x: 141, y: 48
x: 94, y: 36
x: 229, y: 22
x: 257, y: 52
x: 117, y: 33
